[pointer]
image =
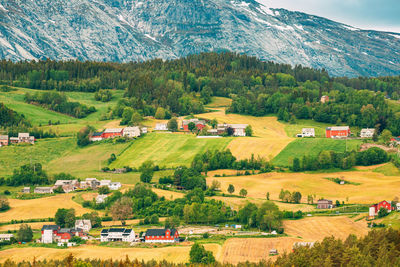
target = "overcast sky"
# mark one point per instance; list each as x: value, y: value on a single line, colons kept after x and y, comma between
x: 381, y: 15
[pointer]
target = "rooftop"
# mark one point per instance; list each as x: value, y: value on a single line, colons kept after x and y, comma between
x: 113, y: 130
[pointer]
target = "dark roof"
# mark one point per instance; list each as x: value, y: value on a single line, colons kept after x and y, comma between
x: 159, y: 232
x: 50, y: 227
x: 97, y: 134
x: 116, y: 230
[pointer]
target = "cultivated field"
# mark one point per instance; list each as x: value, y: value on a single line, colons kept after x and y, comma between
x: 40, y: 208
x: 269, y: 134
x: 167, y: 149
x: 312, y: 147
x: 374, y: 187
x: 177, y: 254
x: 237, y: 250
x: 317, y: 228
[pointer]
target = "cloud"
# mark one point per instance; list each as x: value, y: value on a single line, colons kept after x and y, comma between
x: 365, y: 14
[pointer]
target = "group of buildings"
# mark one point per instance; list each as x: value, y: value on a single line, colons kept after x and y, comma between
x: 56, y: 234
x: 129, y: 132
x: 5, y: 140
x: 337, y: 132
x: 373, y: 210
x: 71, y: 185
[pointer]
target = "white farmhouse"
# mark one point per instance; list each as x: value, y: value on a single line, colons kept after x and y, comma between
x: 48, y: 233
x: 131, y: 132
x: 6, y: 237
x: 115, y: 185
x: 367, y: 133
x: 117, y: 234
x: 105, y: 183
x: 238, y: 129
x: 308, y: 132
x: 85, y: 225
x: 101, y: 199
x: 161, y: 127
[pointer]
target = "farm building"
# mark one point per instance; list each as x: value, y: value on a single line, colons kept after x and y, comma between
x: 101, y: 199
x: 131, y: 132
x: 395, y: 140
x: 307, y: 132
x: 14, y: 140
x: 90, y: 182
x: 111, y: 133
x: 398, y: 206
x: 53, y: 233
x: 96, y: 137
x: 3, y: 140
x: 161, y: 236
x: 105, y: 183
x: 43, y: 190
x: 324, y: 99
x: 338, y: 132
x: 374, y: 209
x: 200, y: 124
x: 143, y: 130
x: 161, y: 127
x: 115, y: 185
x: 25, y: 138
x: 85, y: 225
x: 238, y: 129
x: 325, y: 204
x: 26, y: 190
x: 117, y: 234
x: 6, y: 237
x: 67, y: 185
x: 367, y: 133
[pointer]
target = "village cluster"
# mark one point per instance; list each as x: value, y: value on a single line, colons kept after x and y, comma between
x: 68, y: 186
x: 337, y: 132
x: 373, y: 210
x: 65, y: 236
x: 5, y: 140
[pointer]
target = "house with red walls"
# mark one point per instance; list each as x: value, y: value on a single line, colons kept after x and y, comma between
x: 200, y: 124
x: 111, y: 133
x: 54, y: 233
x: 161, y: 236
x: 338, y: 132
x: 374, y: 209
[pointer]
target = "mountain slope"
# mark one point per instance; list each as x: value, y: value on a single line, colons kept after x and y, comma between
x: 126, y: 30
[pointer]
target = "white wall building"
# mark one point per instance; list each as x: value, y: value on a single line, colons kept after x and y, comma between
x: 101, y: 199
x: 161, y: 127
x: 115, y: 185
x: 308, y: 132
x: 85, y: 225
x: 367, y: 133
x: 105, y: 183
x: 117, y: 234
x: 6, y: 237
x: 48, y: 233
x: 131, y: 132
x: 238, y: 129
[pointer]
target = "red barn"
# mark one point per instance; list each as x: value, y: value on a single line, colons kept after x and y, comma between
x: 111, y: 133
x: 200, y: 124
x: 338, y: 132
x: 161, y: 236
x: 374, y: 209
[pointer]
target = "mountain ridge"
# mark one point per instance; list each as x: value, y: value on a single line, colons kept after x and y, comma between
x: 128, y: 30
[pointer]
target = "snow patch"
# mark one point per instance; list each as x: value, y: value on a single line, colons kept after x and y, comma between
x: 299, y: 27
x: 277, y: 13
x: 4, y: 42
x: 395, y: 35
x: 241, y: 4
x: 364, y: 53
x: 25, y: 54
x: 3, y: 8
x: 151, y: 37
x: 266, y: 10
x: 350, y: 28
x: 262, y: 21
x: 283, y: 28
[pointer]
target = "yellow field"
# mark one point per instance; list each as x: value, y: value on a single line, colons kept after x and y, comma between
x: 269, y: 135
x: 40, y: 208
x: 15, y: 227
x: 317, y: 228
x: 374, y: 187
x: 178, y: 254
x: 169, y: 195
x: 237, y: 250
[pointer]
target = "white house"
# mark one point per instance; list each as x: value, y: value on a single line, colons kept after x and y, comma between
x: 367, y: 133
x: 117, y: 234
x: 49, y: 233
x: 85, y: 225
x: 161, y: 127
x: 398, y: 206
x: 131, y: 132
x: 115, y: 185
x: 105, y: 183
x: 101, y: 199
x: 143, y: 130
x: 43, y: 190
x: 6, y: 237
x: 308, y: 132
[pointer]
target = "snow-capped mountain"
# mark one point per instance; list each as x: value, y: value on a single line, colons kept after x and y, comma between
x: 130, y: 30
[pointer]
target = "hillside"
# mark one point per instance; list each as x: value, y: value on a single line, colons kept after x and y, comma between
x: 141, y: 30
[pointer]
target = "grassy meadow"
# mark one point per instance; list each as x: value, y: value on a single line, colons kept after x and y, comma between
x: 167, y: 149
x: 312, y: 147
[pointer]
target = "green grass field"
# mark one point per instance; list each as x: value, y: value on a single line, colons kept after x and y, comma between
x: 167, y: 149
x: 293, y: 129
x: 312, y: 147
x: 388, y: 170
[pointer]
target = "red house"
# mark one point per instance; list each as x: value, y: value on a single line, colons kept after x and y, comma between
x: 338, y: 132
x: 161, y: 236
x: 200, y: 124
x: 111, y: 133
x: 374, y: 209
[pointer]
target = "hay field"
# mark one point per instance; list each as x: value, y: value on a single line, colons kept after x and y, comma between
x: 177, y: 254
x: 269, y: 134
x: 169, y: 195
x: 40, y: 208
x: 373, y: 186
x: 317, y: 228
x: 15, y: 227
x: 237, y: 250
x: 167, y: 149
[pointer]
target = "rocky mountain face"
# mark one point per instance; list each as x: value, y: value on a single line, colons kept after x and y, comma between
x: 130, y: 30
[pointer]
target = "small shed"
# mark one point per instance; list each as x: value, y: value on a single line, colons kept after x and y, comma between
x: 273, y: 252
